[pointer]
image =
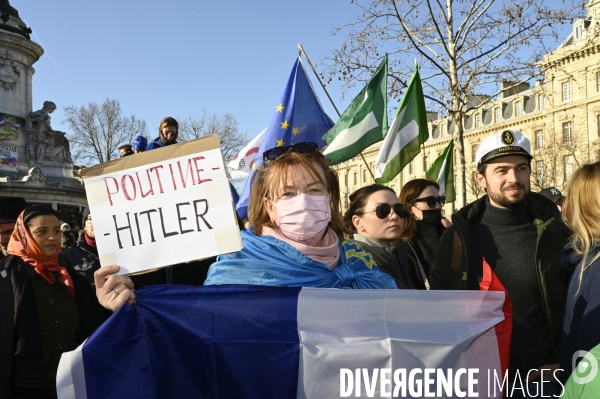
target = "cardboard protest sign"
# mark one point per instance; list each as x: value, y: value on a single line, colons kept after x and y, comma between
x: 162, y: 207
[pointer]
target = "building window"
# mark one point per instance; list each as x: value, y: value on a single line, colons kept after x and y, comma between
x: 567, y: 128
x: 569, y: 167
x: 519, y: 108
x: 411, y: 167
x: 539, y: 139
x: 566, y: 91
x: 355, y: 178
x: 540, y: 169
x: 364, y: 176
x: 542, y: 102
x: 478, y: 120
x: 598, y: 81
x: 346, y: 180
x: 579, y: 32
x: 425, y: 162
x: 497, y: 115
x: 474, y: 149
x: 444, y: 130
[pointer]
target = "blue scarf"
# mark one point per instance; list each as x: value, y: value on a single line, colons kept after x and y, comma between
x: 265, y: 260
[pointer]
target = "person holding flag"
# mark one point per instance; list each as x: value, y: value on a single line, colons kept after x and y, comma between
x: 298, y: 118
x: 296, y: 238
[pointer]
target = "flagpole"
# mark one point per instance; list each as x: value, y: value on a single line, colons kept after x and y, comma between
x: 301, y: 50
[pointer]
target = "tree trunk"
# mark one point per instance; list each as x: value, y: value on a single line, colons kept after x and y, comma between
x: 460, y: 165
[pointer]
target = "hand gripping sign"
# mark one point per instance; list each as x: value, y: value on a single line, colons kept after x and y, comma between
x: 162, y: 207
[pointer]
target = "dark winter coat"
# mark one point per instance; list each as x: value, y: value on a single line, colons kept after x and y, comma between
x: 425, y: 243
x: 390, y: 259
x: 22, y: 337
x: 581, y: 326
x: 83, y: 258
x: 552, y: 236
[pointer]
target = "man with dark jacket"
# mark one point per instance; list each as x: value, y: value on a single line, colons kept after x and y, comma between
x: 520, y: 234
x: 83, y: 256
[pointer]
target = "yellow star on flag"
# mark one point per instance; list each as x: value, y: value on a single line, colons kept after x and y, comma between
x: 295, y: 130
x: 280, y: 107
x: 280, y: 143
x: 284, y: 124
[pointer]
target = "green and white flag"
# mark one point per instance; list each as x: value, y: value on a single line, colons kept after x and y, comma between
x: 406, y: 133
x: 363, y: 123
x: 441, y: 171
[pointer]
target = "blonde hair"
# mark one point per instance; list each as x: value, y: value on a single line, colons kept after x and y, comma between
x: 269, y: 177
x: 581, y: 212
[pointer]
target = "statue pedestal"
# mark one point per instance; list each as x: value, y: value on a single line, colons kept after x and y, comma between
x: 39, y: 170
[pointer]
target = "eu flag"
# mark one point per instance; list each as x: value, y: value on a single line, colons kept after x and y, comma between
x: 298, y: 117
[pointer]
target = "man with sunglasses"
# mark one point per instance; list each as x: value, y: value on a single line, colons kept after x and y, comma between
x: 520, y: 234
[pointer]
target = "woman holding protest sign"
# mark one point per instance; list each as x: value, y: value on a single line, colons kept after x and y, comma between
x: 376, y: 218
x: 46, y: 307
x: 296, y: 238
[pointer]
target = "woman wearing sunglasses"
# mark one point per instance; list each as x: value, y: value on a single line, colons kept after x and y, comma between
x: 376, y: 218
x: 296, y: 237
x: 423, y: 229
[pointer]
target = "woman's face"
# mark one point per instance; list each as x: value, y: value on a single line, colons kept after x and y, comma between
x: 45, y: 231
x: 384, y: 230
x: 417, y: 208
x: 169, y: 133
x: 299, y: 180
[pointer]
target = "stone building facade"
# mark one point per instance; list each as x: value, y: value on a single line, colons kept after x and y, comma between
x: 559, y: 114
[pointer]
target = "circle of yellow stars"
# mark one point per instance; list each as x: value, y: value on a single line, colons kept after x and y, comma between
x: 285, y: 125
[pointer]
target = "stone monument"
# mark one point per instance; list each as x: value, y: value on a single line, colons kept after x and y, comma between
x: 35, y: 159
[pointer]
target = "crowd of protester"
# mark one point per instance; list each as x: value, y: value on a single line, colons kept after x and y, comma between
x: 296, y: 236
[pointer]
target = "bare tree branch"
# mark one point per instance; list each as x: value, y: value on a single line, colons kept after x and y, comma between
x: 97, y: 131
x: 462, y: 46
x: 225, y: 126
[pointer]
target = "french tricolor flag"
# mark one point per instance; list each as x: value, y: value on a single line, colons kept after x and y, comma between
x: 273, y: 342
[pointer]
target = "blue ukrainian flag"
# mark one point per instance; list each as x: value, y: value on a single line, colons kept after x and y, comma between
x: 298, y: 117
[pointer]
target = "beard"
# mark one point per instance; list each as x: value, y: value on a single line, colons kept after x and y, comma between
x: 503, y: 200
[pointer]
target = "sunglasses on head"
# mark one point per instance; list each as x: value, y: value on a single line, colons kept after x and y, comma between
x: 431, y: 200
x: 383, y: 210
x: 302, y: 148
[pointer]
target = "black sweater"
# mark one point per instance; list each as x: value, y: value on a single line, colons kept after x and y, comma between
x: 507, y: 239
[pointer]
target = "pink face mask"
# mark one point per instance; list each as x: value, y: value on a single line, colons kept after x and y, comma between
x: 304, y: 218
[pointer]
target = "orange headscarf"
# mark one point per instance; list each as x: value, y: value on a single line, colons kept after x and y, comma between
x: 23, y: 245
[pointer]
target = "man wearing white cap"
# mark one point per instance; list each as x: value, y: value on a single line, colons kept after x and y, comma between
x: 520, y: 234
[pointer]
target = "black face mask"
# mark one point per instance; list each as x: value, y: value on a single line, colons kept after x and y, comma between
x: 432, y: 217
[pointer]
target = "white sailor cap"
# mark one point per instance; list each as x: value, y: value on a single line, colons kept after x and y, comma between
x: 503, y: 144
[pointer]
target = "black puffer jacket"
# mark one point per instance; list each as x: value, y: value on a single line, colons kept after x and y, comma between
x: 83, y: 258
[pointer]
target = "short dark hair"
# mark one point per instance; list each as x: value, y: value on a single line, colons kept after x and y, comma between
x: 483, y: 166
x: 358, y: 201
x: 125, y: 147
